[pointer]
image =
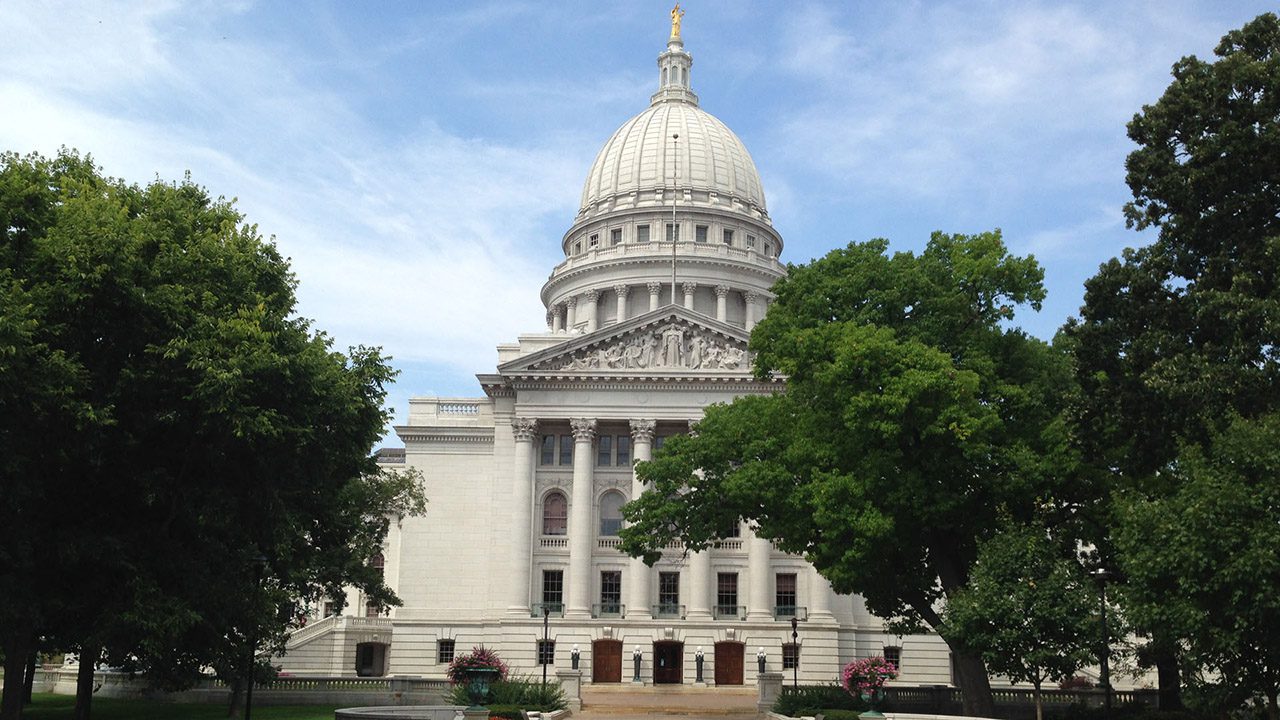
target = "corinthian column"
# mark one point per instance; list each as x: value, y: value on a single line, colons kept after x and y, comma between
x: 581, y: 533
x: 759, y: 607
x: 722, y: 303
x: 622, y: 291
x: 525, y: 431
x: 688, y: 289
x: 590, y: 310
x: 638, y: 596
x: 751, y: 308
x: 571, y: 314
x: 654, y: 289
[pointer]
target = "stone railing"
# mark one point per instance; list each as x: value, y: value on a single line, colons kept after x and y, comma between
x: 1010, y: 703
x: 661, y: 250
x: 555, y: 541
x: 313, y: 629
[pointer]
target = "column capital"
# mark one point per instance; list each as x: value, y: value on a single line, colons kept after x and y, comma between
x: 591, y: 295
x: 524, y: 429
x: 751, y: 296
x: 722, y: 291
x: 583, y: 429
x: 654, y: 287
x: 622, y: 290
x: 572, y: 302
x: 688, y: 287
x: 643, y: 430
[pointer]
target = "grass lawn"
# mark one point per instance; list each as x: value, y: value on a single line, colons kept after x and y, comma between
x: 46, y: 706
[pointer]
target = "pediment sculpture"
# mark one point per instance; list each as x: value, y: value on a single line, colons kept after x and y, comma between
x: 673, y: 346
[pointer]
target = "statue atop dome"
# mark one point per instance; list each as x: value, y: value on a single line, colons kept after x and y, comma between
x: 676, y: 15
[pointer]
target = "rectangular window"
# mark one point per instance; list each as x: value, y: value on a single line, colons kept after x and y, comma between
x: 546, y: 652
x: 444, y: 651
x: 784, y: 595
x: 669, y: 594
x: 768, y: 249
x: 594, y: 240
x: 642, y: 233
x: 330, y: 608
x: 893, y: 654
x: 566, y: 449
x: 553, y: 590
x: 624, y: 450
x: 577, y: 248
x: 790, y: 656
x: 751, y: 241
x: 734, y: 530
x: 604, y: 450
x: 371, y: 609
x: 700, y: 233
x: 726, y: 594
x: 673, y: 233
x: 615, y: 236
x: 728, y: 237
x: 548, y: 450
x: 610, y: 592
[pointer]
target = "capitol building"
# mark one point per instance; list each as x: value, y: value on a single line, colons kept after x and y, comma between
x: 667, y: 267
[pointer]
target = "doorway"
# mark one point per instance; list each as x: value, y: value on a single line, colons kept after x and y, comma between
x: 606, y: 661
x: 729, y: 663
x: 371, y: 659
x: 667, y: 656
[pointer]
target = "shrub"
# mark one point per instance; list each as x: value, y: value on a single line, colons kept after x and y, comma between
x: 479, y: 657
x: 522, y: 693
x: 867, y: 675
x: 813, y: 699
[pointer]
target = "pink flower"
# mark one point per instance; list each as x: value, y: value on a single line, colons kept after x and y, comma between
x: 864, y: 677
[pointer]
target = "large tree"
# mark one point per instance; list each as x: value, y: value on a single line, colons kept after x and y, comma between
x: 914, y: 418
x: 1028, y: 610
x: 1204, y: 561
x: 1177, y: 337
x: 165, y: 419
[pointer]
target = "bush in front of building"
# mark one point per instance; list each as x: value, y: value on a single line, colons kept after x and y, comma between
x: 516, y: 694
x: 814, y: 699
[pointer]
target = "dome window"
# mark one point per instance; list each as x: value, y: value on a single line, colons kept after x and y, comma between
x: 577, y: 248
x: 594, y: 241
x: 673, y: 232
x: 642, y: 233
x: 728, y: 238
x: 615, y: 236
x: 751, y: 242
x: 700, y: 233
x: 768, y: 249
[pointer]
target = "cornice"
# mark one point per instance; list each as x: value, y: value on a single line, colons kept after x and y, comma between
x: 770, y: 273
x: 437, y: 434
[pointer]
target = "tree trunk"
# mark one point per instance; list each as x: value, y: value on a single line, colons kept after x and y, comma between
x: 1170, y: 697
x: 1039, y: 701
x: 29, y: 682
x: 1273, y: 712
x: 236, y: 707
x: 18, y: 644
x: 975, y: 686
x: 89, y: 654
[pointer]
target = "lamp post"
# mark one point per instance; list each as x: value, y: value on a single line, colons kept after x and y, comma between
x: 697, y: 657
x: 573, y: 657
x: 1104, y: 657
x: 635, y: 659
x: 259, y: 565
x: 760, y: 659
x: 546, y: 626
x: 795, y: 652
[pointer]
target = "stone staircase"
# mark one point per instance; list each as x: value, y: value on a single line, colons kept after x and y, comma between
x: 624, y: 701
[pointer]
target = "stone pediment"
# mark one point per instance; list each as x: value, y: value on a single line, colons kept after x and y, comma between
x: 668, y: 341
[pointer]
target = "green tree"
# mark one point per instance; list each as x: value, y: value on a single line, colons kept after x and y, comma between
x: 165, y: 418
x: 913, y: 418
x: 1179, y: 336
x: 1028, y: 609
x: 1204, y: 560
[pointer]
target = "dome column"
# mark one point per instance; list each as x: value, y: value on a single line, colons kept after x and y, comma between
x: 655, y: 288
x: 750, y: 299
x: 688, y: 289
x: 591, y: 309
x: 571, y: 314
x: 557, y: 318
x: 722, y: 303
x: 622, y: 291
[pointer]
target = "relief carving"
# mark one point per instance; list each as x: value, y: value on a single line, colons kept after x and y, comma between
x: 672, y: 346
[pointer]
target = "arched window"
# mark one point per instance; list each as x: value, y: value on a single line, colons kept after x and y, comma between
x: 611, y: 513
x: 378, y: 562
x: 555, y: 514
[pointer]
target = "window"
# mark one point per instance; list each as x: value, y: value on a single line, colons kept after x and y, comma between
x: 893, y: 654
x: 734, y: 530
x: 700, y: 233
x: 658, y: 440
x: 728, y: 237
x: 642, y: 233
x: 566, y: 449
x: 553, y: 590
x: 371, y: 609
x: 610, y: 592
x: 577, y: 248
x: 555, y: 514
x: 548, y: 450
x: 768, y: 249
x: 594, y: 240
x: 546, y: 652
x: 726, y: 594
x: 751, y: 241
x: 624, y: 450
x: 784, y: 595
x: 611, y: 513
x: 664, y: 76
x: 790, y: 656
x: 377, y: 562
x: 604, y: 450
x: 615, y: 236
x: 668, y: 594
x: 444, y: 651
x: 330, y: 608
x: 673, y: 233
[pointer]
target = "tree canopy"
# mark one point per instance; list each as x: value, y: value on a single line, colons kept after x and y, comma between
x: 914, y: 417
x: 165, y: 418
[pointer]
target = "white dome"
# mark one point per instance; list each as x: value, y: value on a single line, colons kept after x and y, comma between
x: 641, y: 156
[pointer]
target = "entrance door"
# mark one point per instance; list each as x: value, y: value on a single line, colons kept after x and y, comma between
x: 729, y: 663
x: 666, y: 662
x: 606, y: 661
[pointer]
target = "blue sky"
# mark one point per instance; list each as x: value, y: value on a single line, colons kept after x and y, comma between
x: 419, y: 162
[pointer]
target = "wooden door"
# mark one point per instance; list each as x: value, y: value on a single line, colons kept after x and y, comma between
x: 666, y: 662
x: 606, y: 661
x: 729, y: 663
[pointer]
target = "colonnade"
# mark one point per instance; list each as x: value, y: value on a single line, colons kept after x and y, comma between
x: 564, y: 316
x: 582, y: 536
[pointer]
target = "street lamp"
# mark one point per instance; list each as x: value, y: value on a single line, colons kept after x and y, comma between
x: 795, y: 652
x: 1104, y: 657
x: 760, y: 659
x: 259, y: 566
x: 573, y: 656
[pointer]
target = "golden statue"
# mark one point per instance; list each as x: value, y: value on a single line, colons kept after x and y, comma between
x: 676, y: 14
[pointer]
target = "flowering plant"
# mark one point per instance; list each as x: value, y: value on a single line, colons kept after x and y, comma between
x: 479, y: 657
x: 864, y: 677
